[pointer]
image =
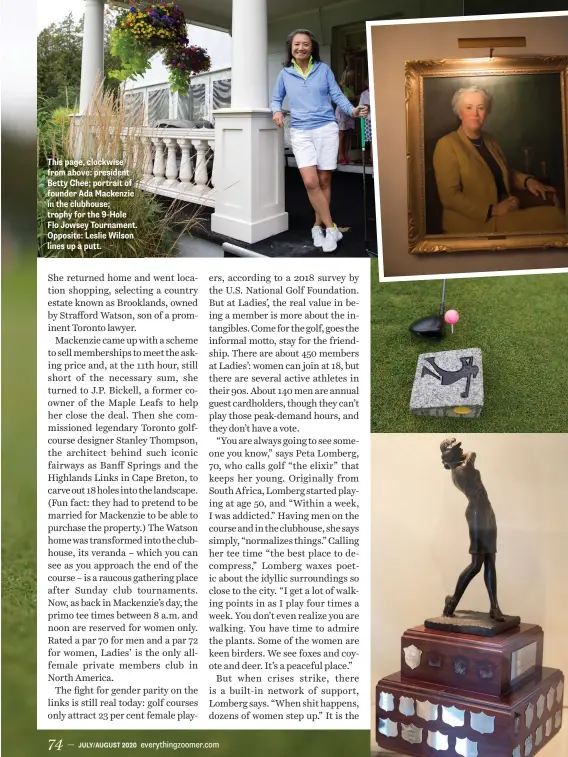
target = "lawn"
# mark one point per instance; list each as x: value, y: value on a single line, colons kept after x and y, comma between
x: 18, y: 505
x: 519, y: 322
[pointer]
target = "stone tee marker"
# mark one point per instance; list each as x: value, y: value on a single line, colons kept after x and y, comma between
x: 448, y: 384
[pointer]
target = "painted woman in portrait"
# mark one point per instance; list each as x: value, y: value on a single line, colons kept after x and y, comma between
x: 477, y: 188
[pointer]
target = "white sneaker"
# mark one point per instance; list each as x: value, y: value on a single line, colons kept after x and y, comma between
x: 318, y: 236
x: 332, y: 237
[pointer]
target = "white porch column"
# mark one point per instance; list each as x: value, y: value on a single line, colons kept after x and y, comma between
x: 92, y: 64
x: 249, y: 147
x: 249, y: 65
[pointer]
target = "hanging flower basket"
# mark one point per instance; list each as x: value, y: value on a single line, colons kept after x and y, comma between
x: 147, y: 28
x: 183, y: 62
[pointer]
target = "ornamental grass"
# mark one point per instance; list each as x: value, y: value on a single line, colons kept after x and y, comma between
x: 103, y: 135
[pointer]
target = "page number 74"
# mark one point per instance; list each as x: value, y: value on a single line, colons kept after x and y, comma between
x: 55, y: 744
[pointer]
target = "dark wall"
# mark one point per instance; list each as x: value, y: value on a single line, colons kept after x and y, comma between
x: 392, y: 47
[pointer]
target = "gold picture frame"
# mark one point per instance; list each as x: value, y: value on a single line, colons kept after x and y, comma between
x: 421, y: 72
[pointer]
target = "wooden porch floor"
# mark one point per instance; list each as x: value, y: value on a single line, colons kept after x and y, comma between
x: 348, y: 211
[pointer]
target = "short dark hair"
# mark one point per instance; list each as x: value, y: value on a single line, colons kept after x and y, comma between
x: 315, y: 45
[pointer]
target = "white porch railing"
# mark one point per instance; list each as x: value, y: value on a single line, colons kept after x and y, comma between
x: 176, y: 163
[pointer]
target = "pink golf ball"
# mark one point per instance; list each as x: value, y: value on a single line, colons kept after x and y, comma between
x: 452, y: 316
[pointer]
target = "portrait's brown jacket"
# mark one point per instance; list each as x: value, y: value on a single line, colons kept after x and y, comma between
x: 466, y: 185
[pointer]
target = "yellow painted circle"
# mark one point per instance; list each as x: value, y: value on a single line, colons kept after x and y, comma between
x: 462, y: 410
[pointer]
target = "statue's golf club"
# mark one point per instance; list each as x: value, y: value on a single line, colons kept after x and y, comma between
x: 432, y: 326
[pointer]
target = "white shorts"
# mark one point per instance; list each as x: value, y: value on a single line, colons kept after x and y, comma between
x: 316, y: 147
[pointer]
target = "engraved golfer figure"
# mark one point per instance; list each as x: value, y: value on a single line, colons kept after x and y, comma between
x: 467, y: 371
x: 482, y: 526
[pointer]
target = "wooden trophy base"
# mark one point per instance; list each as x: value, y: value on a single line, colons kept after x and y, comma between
x: 486, y: 665
x: 418, y: 718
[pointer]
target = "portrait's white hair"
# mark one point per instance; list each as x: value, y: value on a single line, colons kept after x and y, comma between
x: 458, y: 96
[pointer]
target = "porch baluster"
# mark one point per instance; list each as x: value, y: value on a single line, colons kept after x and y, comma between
x: 147, y: 162
x: 159, y: 164
x: 171, y: 166
x: 186, y: 177
x: 201, y: 177
x: 126, y: 150
x: 185, y: 168
x: 136, y: 145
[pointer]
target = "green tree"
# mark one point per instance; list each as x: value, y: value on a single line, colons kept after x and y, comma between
x: 59, y: 52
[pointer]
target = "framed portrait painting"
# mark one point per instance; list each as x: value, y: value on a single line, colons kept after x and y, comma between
x: 487, y: 154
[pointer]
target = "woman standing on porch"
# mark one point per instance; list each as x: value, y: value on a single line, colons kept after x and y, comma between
x: 309, y: 83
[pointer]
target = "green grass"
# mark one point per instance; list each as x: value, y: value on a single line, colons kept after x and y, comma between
x: 18, y: 502
x: 519, y: 322
x: 19, y: 735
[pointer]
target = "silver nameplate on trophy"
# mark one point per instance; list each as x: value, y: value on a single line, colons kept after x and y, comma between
x: 453, y: 716
x: 540, y: 706
x: 412, y: 656
x: 386, y: 701
x: 406, y: 706
x: 426, y: 710
x: 388, y: 728
x: 438, y: 741
x: 550, y: 698
x: 523, y: 660
x: 411, y: 733
x: 482, y: 723
x: 466, y: 748
x: 529, y: 715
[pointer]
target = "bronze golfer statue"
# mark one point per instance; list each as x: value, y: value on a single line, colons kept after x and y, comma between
x: 473, y: 682
x: 482, y: 527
